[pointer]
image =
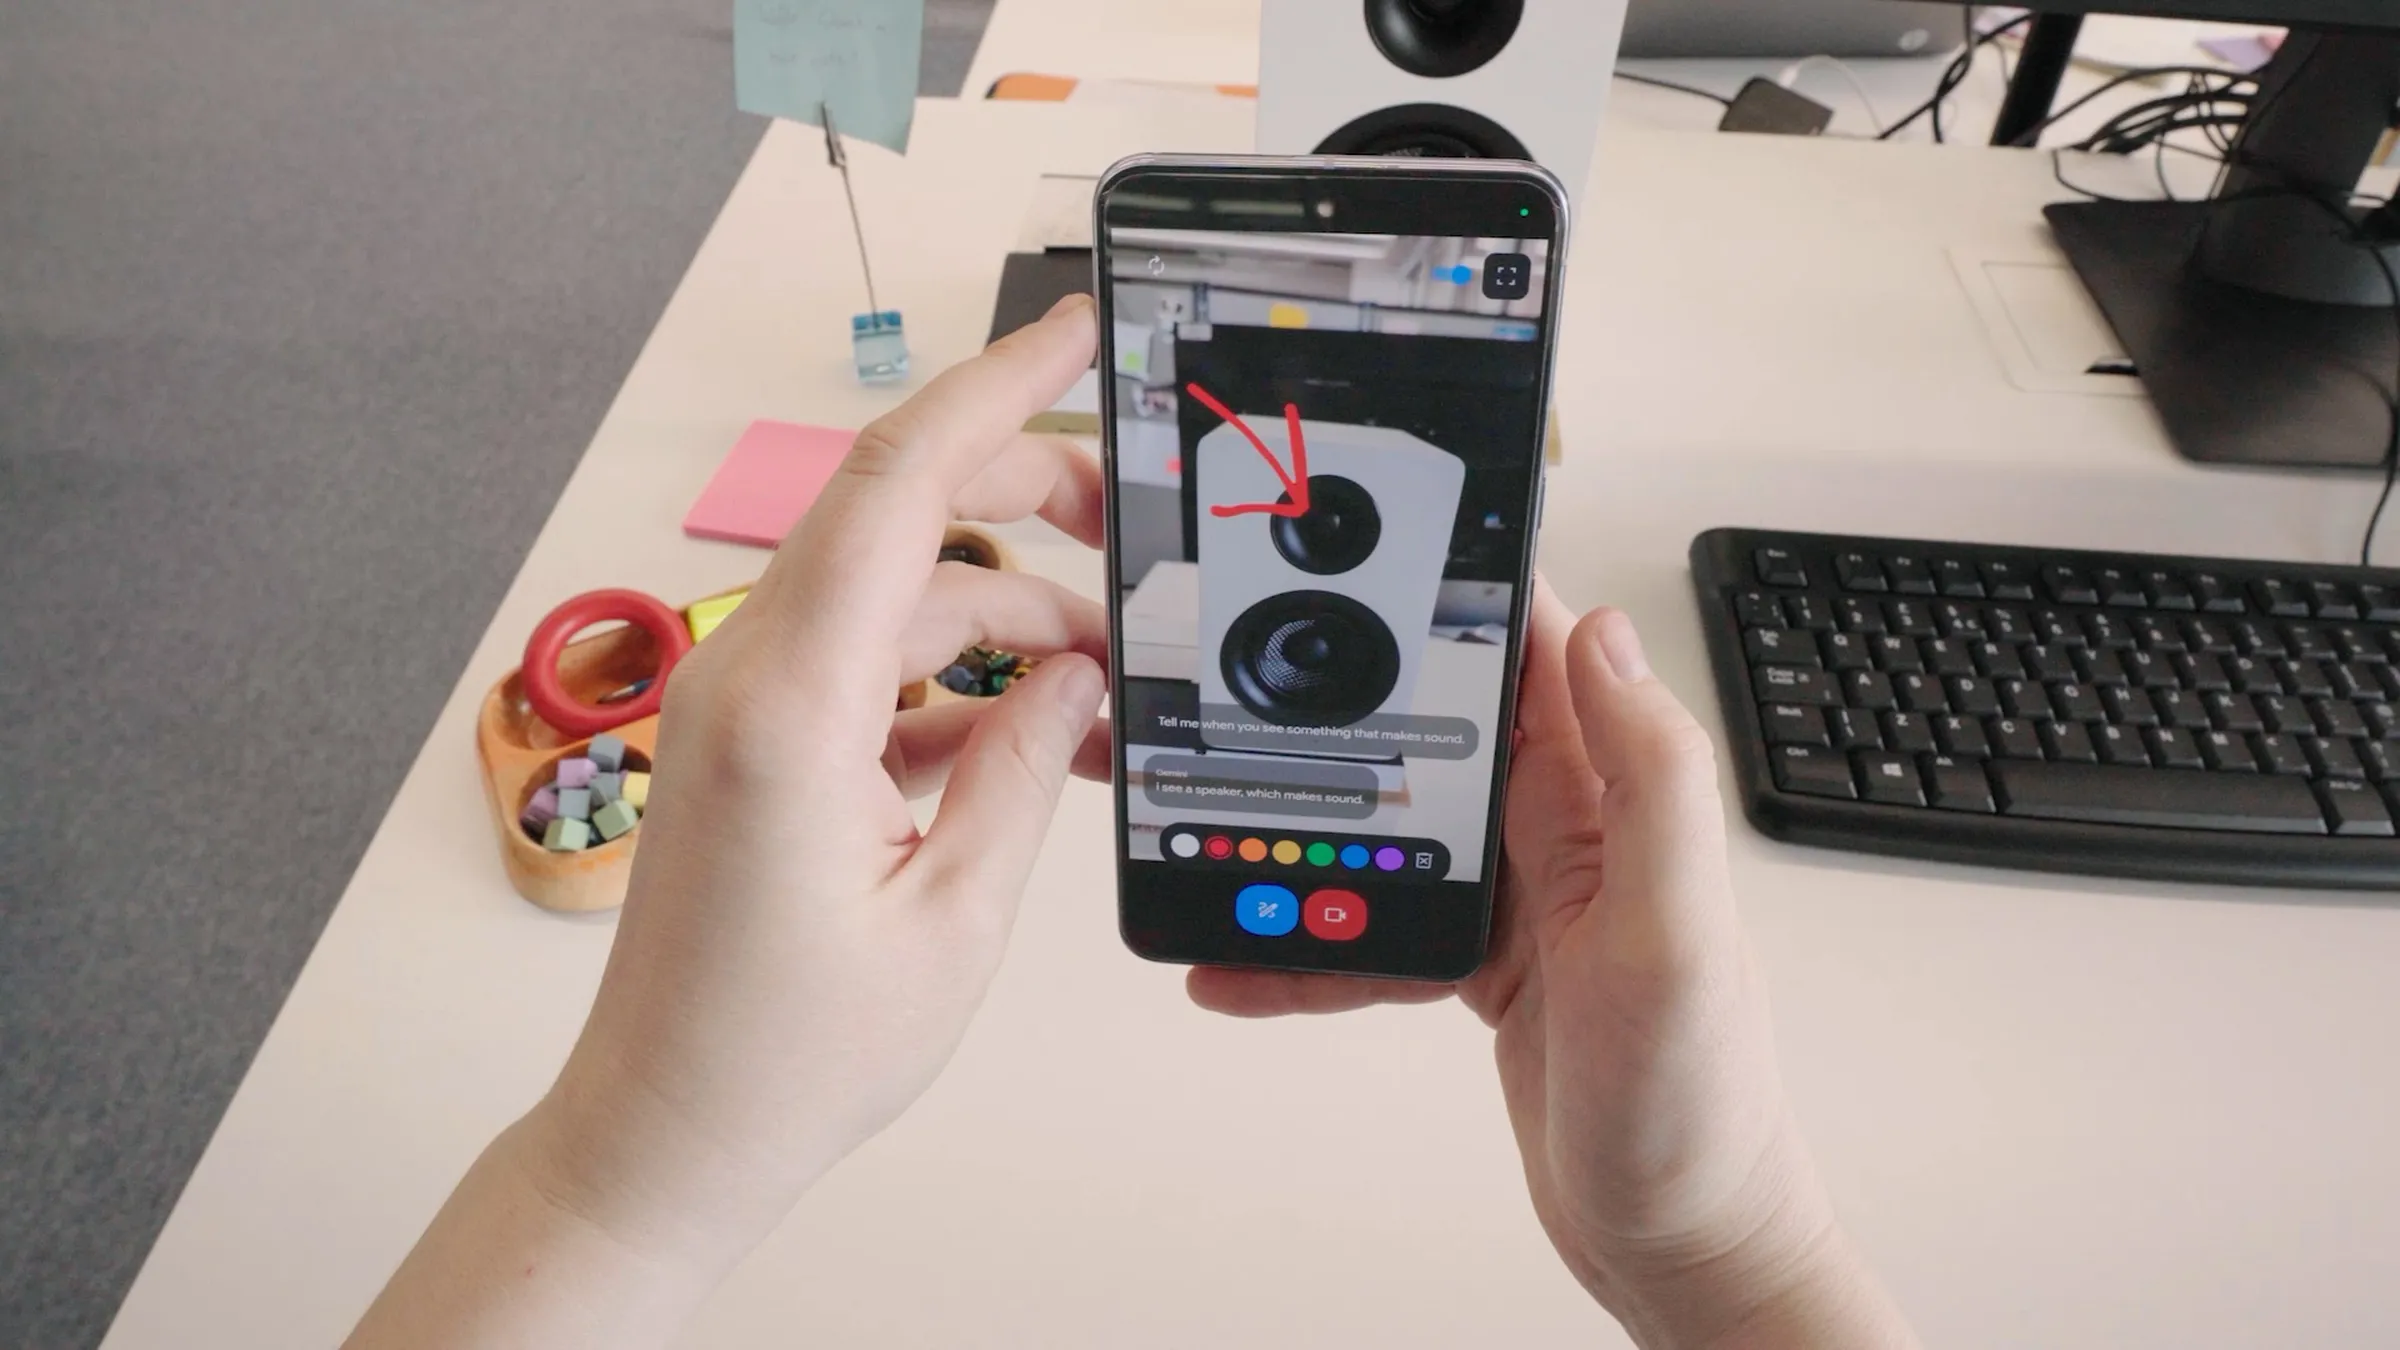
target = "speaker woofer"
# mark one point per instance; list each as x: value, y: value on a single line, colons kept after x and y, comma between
x: 1338, y: 532
x: 1441, y: 38
x: 1431, y: 130
x: 1310, y: 658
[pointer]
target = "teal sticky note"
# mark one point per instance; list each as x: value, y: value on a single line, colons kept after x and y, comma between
x: 793, y: 57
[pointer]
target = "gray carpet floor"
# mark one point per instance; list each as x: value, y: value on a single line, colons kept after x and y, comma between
x: 307, y: 310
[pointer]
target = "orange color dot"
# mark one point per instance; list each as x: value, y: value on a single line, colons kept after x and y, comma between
x: 1254, y: 850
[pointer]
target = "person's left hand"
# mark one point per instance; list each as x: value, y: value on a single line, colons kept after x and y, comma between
x: 796, y: 960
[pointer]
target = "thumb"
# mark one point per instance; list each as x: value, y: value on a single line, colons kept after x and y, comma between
x: 1664, y: 823
x: 1005, y: 785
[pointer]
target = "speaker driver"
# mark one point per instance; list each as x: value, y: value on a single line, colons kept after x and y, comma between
x: 1440, y: 38
x: 1432, y: 130
x: 1310, y: 658
x: 1337, y: 533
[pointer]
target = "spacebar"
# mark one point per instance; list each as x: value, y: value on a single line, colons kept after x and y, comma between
x: 2182, y: 799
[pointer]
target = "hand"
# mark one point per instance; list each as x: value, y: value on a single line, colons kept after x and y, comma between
x: 796, y: 961
x: 1635, y: 1051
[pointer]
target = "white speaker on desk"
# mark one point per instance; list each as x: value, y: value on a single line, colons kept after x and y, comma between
x: 1493, y: 79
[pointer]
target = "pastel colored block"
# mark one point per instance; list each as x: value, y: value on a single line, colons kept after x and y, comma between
x: 541, y: 810
x: 575, y: 773
x: 607, y: 787
x: 615, y: 819
x: 766, y: 482
x: 703, y: 616
x: 566, y: 836
x: 607, y: 752
x: 574, y: 803
x: 635, y: 788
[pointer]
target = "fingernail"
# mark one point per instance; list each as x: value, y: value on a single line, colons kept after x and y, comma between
x: 1621, y: 647
x: 1080, y: 688
x: 1070, y: 303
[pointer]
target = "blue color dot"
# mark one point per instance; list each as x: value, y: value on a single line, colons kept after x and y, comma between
x: 1354, y: 856
x: 1459, y: 275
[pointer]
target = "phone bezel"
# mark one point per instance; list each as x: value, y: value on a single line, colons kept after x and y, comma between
x: 1372, y: 184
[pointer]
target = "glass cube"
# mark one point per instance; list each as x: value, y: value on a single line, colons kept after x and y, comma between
x: 878, y: 347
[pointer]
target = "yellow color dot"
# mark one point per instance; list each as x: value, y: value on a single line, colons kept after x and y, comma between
x: 1286, y: 851
x: 1254, y: 850
x: 1283, y: 314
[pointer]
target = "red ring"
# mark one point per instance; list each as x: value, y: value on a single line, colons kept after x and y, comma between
x: 550, y: 700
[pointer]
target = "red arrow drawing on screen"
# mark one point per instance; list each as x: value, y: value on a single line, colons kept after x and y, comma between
x: 1295, y: 483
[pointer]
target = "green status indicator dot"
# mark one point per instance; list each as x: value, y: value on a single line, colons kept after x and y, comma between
x: 1321, y: 853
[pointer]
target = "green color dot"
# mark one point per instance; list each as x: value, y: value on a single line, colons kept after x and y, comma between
x: 1321, y: 853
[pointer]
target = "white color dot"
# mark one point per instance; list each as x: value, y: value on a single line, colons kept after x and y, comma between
x: 1184, y: 845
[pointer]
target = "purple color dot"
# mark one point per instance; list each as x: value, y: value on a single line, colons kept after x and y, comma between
x: 1388, y: 858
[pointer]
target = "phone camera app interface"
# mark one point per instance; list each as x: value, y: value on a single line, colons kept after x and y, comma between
x: 1325, y: 449
x: 1507, y: 276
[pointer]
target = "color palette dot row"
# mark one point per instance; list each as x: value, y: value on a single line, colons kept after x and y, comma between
x: 1318, y: 853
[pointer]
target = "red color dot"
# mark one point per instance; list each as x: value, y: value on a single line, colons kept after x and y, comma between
x: 1219, y: 846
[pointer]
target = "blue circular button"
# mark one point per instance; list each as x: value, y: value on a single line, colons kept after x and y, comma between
x: 1354, y: 856
x: 1267, y: 910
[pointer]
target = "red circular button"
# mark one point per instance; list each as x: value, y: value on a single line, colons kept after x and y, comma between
x: 1218, y: 846
x: 1336, y: 916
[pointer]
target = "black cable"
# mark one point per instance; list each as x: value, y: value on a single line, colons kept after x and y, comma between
x: 2391, y: 454
x: 2032, y: 134
x: 1954, y: 75
x: 1670, y: 84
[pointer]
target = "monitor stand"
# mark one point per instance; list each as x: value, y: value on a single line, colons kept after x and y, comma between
x: 2263, y: 332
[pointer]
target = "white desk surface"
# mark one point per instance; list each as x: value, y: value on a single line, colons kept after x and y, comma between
x: 2055, y: 1112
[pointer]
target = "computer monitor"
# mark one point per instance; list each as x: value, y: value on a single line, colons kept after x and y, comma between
x: 2260, y: 319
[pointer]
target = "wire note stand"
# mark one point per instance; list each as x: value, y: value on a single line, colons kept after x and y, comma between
x: 878, y: 346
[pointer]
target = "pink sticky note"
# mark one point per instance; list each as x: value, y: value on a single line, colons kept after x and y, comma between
x: 768, y: 480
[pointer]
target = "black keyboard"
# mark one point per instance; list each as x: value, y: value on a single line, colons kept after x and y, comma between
x: 2138, y: 715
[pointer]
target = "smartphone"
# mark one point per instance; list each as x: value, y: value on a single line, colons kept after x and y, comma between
x: 1324, y: 385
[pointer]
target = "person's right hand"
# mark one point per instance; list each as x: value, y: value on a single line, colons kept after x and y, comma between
x: 1632, y: 1030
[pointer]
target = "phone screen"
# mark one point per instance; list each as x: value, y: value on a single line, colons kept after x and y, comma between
x: 1324, y: 394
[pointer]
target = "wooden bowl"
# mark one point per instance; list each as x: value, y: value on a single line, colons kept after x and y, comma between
x: 519, y: 752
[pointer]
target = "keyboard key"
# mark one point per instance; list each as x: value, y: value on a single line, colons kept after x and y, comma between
x: 2007, y: 623
x: 1859, y: 572
x: 2121, y: 746
x: 1819, y: 773
x: 1959, y: 619
x: 2280, y: 754
x: 2180, y: 708
x: 1809, y: 612
x: 1846, y: 651
x: 2226, y: 752
x: 2332, y: 600
x: 2283, y: 599
x: 2067, y: 743
x: 1957, y: 577
x: 2202, y: 672
x: 1947, y: 656
x: 2150, y: 670
x: 2128, y: 707
x: 2108, y: 630
x: 2353, y: 643
x: 2169, y: 591
x: 2050, y: 664
x: 1794, y: 684
x: 2232, y: 712
x: 1911, y: 617
x: 1957, y: 785
x: 2159, y: 633
x: 2118, y: 587
x: 2024, y: 698
x: 2076, y: 703
x: 2353, y: 808
x: 2250, y: 675
x: 1895, y: 655
x: 1793, y: 724
x: 1853, y: 729
x: 2172, y: 748
x: 2217, y: 595
x: 1757, y: 609
x: 1780, y: 647
x: 2383, y: 722
x: 2007, y: 580
x: 2329, y: 758
x: 2100, y: 795
x: 1972, y: 695
x: 2058, y: 628
x: 1999, y: 661
x: 1890, y: 779
x: 1859, y: 616
x: 1910, y: 575
x: 2258, y: 638
x: 1906, y: 732
x: 2308, y: 640
x: 2069, y: 586
x: 2014, y: 738
x: 1961, y: 736
x: 2379, y: 604
x: 2282, y: 714
x: 2209, y: 635
x: 1781, y: 567
x: 1869, y: 689
x: 2305, y: 679
x: 1920, y: 692
x: 2337, y: 717
x: 2099, y: 665
x: 2376, y: 758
